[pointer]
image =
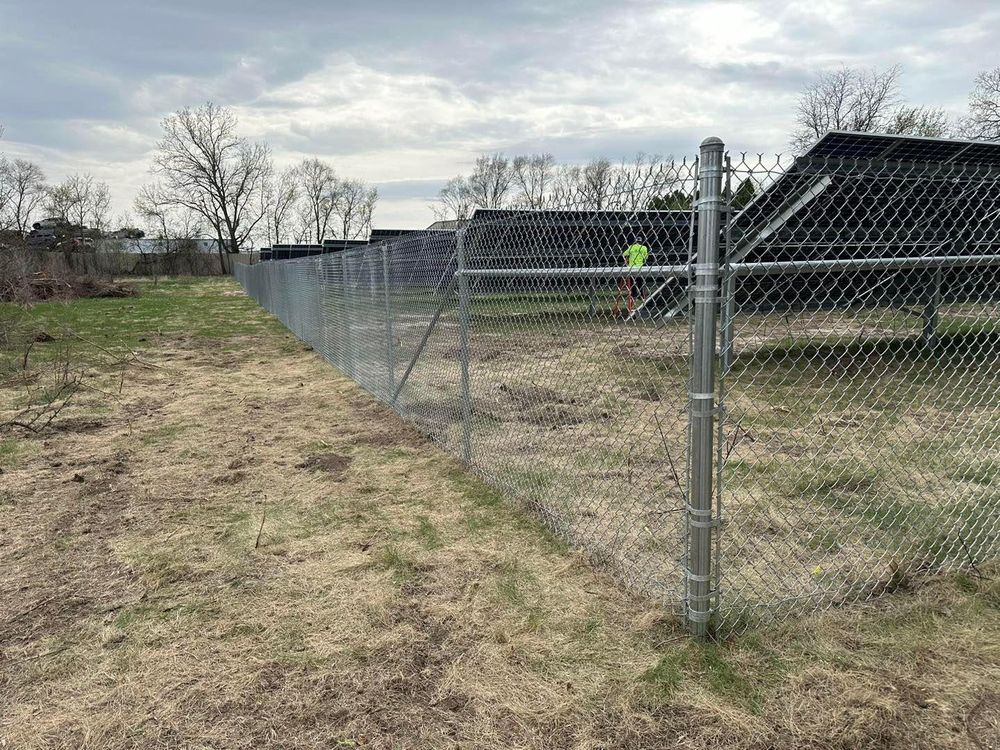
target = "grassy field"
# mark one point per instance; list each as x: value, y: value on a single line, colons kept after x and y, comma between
x: 222, y: 542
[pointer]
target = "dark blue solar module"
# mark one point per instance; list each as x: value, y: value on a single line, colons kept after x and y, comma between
x: 876, y: 146
x: 861, y: 197
x: 512, y: 239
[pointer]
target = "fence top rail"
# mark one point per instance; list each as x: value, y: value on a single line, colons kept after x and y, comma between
x: 766, y: 268
x: 756, y: 268
x: 583, y: 272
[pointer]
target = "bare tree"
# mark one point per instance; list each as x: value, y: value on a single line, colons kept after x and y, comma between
x: 165, y: 220
x: 596, y: 181
x: 846, y: 99
x: 6, y: 192
x: 354, y: 208
x: 565, y: 191
x: 983, y: 121
x: 154, y: 209
x: 25, y: 181
x: 5, y: 189
x: 929, y: 122
x: 637, y: 182
x: 454, y: 200
x: 280, y: 195
x: 533, y: 176
x: 100, y: 207
x: 319, y: 187
x: 490, y: 181
x: 60, y: 201
x: 209, y: 169
x: 80, y: 200
x: 176, y: 227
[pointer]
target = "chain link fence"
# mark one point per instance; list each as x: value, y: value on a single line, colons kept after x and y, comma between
x: 776, y: 392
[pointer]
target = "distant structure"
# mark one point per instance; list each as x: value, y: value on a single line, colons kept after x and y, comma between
x: 449, y: 225
x: 153, y: 246
x: 283, y: 251
x: 57, y: 233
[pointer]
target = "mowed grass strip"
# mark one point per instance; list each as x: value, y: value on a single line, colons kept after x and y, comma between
x: 244, y: 562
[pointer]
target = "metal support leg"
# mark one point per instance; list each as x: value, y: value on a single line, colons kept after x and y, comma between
x: 930, y: 314
x: 701, y: 398
x: 463, y: 332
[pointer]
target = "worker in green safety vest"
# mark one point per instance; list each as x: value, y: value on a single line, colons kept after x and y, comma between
x: 630, y: 287
x: 636, y: 255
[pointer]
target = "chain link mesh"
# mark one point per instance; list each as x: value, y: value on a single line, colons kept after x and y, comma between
x: 858, y: 439
x: 576, y: 393
x: 860, y: 442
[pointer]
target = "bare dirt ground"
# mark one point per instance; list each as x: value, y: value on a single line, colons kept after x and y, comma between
x: 241, y: 549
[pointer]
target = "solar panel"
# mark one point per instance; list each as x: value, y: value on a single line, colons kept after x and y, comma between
x: 380, y: 235
x: 842, y: 144
x: 863, y: 196
x: 500, y: 238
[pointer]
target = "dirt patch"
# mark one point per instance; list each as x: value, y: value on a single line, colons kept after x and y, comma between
x: 536, y: 405
x: 78, y: 424
x: 554, y: 415
x: 983, y: 722
x: 333, y: 464
x: 232, y: 478
x: 391, y: 431
x: 529, y: 395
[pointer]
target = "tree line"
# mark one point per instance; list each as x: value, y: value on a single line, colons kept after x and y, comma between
x: 870, y: 101
x: 857, y: 99
x: 208, y: 181
x: 538, y: 181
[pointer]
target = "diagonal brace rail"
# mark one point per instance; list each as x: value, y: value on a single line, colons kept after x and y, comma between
x: 427, y: 334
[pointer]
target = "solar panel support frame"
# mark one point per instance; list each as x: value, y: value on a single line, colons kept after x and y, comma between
x: 930, y: 312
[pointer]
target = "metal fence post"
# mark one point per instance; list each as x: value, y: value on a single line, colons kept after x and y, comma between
x: 701, y: 397
x: 728, y: 283
x: 389, y: 337
x: 463, y: 334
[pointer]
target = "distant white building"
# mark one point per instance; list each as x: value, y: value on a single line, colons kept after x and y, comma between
x: 149, y: 246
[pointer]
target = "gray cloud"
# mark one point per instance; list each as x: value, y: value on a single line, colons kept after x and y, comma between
x: 405, y: 94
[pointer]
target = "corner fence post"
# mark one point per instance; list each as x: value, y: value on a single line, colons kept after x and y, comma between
x: 389, y: 336
x: 463, y: 334
x: 701, y: 396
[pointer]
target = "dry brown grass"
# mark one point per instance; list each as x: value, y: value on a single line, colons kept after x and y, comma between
x: 393, y: 601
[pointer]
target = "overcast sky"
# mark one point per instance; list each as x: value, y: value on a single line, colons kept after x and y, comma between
x: 405, y: 94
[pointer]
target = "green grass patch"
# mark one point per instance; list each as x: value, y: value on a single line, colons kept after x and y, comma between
x: 978, y: 472
x: 173, y: 308
x: 11, y: 451
x: 165, y: 434
x: 427, y: 534
x: 739, y: 672
x: 668, y: 673
x: 394, y: 559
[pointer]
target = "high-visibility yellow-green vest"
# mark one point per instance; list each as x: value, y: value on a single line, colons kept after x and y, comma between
x: 636, y: 255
